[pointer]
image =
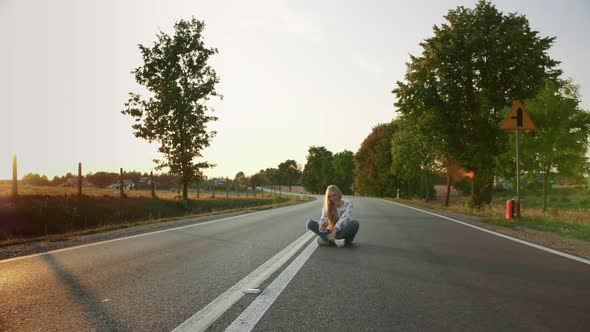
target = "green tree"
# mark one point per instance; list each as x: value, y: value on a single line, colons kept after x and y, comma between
x: 103, y: 179
x: 180, y: 80
x: 477, y: 63
x: 239, y: 180
x: 560, y: 143
x: 290, y: 172
x: 372, y: 163
x: 318, y: 172
x: 35, y: 179
x: 343, y: 164
x: 272, y: 176
x: 415, y: 156
x: 257, y: 180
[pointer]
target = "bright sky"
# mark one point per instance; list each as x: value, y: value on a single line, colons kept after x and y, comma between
x: 293, y: 73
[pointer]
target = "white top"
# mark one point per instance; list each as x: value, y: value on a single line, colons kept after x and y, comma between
x: 344, y: 211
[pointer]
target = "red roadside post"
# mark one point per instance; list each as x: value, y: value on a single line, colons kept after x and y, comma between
x: 508, y: 214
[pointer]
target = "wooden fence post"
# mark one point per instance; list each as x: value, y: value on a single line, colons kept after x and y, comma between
x: 79, y: 179
x: 152, y: 184
x: 121, y: 193
x: 14, y: 178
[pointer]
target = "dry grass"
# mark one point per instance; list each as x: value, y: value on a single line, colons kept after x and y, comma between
x: 52, y: 211
x: 109, y: 227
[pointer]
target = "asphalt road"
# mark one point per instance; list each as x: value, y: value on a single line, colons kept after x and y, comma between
x: 408, y: 271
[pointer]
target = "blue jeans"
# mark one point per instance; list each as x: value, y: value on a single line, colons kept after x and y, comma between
x: 347, y: 232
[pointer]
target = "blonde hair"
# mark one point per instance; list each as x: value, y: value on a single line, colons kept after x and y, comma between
x: 329, y: 207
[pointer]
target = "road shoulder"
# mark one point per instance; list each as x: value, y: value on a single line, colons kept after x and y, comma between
x: 547, y: 239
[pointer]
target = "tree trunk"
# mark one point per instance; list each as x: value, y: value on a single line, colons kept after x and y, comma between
x: 185, y: 190
x: 475, y: 195
x: 545, y: 192
x: 426, y: 188
x: 481, y: 187
x: 448, y: 191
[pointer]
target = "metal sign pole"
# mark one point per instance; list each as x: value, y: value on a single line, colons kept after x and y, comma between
x: 523, y: 122
x: 517, y: 176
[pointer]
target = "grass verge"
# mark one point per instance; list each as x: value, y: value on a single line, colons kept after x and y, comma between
x: 55, y: 218
x: 563, y: 224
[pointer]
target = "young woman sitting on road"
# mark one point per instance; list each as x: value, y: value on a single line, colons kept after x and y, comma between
x: 336, y: 225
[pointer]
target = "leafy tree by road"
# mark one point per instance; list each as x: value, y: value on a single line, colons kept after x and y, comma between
x: 239, y: 180
x: 257, y: 180
x: 177, y: 74
x: 343, y: 164
x: 289, y: 172
x: 414, y: 158
x: 478, y: 62
x: 318, y: 172
x: 273, y: 176
x: 373, y: 175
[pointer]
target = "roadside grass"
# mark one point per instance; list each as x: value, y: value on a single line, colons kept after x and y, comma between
x: 568, y: 211
x: 50, y: 215
x: 558, y: 198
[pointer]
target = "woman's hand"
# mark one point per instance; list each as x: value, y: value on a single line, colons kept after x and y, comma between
x: 332, y: 236
x: 323, y: 227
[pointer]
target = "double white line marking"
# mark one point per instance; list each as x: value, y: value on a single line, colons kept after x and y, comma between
x: 248, y: 319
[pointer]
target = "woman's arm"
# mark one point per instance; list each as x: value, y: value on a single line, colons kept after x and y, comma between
x: 345, y: 216
x: 324, y: 218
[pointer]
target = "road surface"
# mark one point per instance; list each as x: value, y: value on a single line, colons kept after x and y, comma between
x: 407, y: 271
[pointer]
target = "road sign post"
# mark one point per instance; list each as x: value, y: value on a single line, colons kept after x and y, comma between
x: 518, y: 119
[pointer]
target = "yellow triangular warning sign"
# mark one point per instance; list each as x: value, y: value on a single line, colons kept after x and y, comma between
x: 518, y: 118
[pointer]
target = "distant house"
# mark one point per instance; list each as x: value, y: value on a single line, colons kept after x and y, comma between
x: 144, y: 183
x: 127, y: 185
x: 502, y: 183
x: 219, y: 181
x: 73, y: 182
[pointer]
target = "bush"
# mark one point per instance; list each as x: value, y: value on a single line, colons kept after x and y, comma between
x: 463, y: 187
